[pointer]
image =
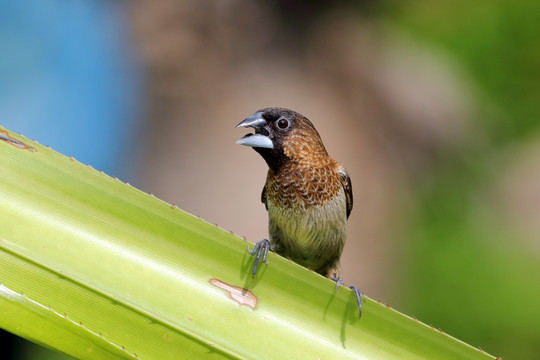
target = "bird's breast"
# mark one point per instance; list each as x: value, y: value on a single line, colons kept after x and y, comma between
x: 307, y: 216
x: 303, y: 186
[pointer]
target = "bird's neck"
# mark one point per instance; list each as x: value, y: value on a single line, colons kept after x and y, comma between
x: 277, y: 161
x: 304, y: 151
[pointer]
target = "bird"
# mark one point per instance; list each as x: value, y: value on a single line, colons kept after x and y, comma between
x: 308, y: 195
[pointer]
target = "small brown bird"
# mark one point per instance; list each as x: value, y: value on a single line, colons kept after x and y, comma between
x: 308, y: 195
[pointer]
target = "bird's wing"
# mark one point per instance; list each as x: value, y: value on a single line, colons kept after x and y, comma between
x: 347, y: 186
x: 263, y: 197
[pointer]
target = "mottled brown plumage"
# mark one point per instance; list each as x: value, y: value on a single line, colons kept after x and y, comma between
x: 308, y: 195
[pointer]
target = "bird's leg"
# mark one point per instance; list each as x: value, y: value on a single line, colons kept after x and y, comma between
x: 338, y: 281
x: 261, y: 248
x: 359, y: 298
x: 357, y: 292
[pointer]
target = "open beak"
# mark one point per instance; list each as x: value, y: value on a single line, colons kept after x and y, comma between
x: 260, y: 139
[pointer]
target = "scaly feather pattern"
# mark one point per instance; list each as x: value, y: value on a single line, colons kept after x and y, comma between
x: 308, y: 195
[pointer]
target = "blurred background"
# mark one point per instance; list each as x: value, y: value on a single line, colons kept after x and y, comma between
x: 433, y: 107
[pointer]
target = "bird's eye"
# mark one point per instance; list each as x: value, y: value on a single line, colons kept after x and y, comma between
x: 283, y: 123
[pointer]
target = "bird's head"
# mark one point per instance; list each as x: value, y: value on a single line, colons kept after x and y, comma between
x: 282, y: 135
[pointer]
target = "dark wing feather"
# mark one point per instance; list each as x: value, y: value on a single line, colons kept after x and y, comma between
x: 263, y: 197
x: 347, y: 186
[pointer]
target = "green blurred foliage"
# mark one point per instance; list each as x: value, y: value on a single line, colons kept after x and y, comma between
x: 467, y: 274
x: 498, y: 41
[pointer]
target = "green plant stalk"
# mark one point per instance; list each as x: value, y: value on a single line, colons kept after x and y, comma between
x: 97, y: 269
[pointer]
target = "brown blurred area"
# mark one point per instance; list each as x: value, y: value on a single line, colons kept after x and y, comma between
x: 384, y: 107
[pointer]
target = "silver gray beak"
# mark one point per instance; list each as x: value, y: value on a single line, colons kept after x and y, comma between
x: 259, y: 140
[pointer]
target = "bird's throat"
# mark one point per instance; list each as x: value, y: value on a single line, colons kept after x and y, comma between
x: 274, y: 158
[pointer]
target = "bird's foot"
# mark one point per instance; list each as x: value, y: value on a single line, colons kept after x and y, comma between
x: 357, y: 293
x: 338, y: 281
x: 261, y: 248
x: 359, y: 298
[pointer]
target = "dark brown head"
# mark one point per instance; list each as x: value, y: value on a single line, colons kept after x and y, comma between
x: 282, y: 135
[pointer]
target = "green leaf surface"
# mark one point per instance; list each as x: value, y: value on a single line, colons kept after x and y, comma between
x: 97, y: 269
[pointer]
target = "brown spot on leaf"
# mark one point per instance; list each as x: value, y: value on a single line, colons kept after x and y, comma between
x: 237, y: 293
x: 4, y: 136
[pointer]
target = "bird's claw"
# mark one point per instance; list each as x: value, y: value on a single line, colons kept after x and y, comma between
x: 357, y: 293
x: 261, y: 248
x: 359, y: 298
x: 338, y: 281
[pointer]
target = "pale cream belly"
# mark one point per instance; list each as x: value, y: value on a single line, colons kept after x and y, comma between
x: 313, y: 236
